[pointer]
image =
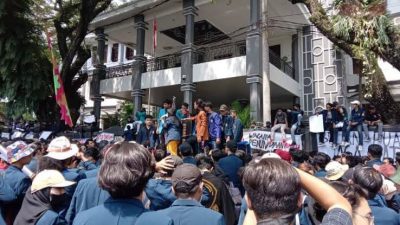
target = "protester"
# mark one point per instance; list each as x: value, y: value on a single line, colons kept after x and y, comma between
x: 45, y: 200
x: 147, y: 133
x: 221, y: 200
x: 335, y: 170
x: 273, y: 194
x: 62, y: 150
x: 141, y: 115
x: 296, y: 116
x: 280, y: 122
x: 6, y: 195
x: 89, y: 159
x: 372, y: 118
x: 329, y: 117
x: 18, y: 155
x: 172, y: 132
x: 167, y: 104
x: 186, y: 152
x: 237, y: 127
x: 124, y: 174
x: 187, y: 186
x: 371, y: 182
x: 341, y: 123
x: 361, y: 212
x: 159, y: 188
x: 214, y: 127
x: 231, y: 163
x: 201, y: 123
x: 183, y: 112
x: 356, y: 122
x: 320, y: 161
x: 374, y: 155
x: 128, y: 134
x: 227, y: 123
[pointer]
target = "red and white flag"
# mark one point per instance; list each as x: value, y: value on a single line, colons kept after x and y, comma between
x: 155, y: 31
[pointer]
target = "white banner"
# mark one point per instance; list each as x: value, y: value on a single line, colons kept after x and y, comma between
x: 316, y: 124
x: 260, y: 140
x: 390, y: 143
x: 104, y: 137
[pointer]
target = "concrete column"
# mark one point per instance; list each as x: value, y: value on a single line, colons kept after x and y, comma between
x: 139, y: 65
x: 188, y: 53
x: 254, y: 64
x: 99, y: 73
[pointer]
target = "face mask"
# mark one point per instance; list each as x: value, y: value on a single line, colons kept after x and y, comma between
x: 58, y: 201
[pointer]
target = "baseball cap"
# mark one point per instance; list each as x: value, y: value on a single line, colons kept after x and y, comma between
x: 223, y: 107
x: 385, y: 170
x: 185, y: 178
x: 49, y: 178
x: 269, y: 155
x: 17, y: 151
x: 335, y: 170
x: 355, y: 102
x: 285, y: 155
x: 60, y: 148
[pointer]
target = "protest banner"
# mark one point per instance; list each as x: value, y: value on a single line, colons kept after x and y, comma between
x: 104, y: 137
x: 316, y: 124
x: 259, y: 139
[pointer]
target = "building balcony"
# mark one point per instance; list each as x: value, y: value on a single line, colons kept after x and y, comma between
x: 202, y: 55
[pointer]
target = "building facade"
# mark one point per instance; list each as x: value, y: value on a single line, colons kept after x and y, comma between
x: 213, y: 50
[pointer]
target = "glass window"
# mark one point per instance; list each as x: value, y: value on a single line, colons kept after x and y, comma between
x: 129, y: 53
x: 114, y: 52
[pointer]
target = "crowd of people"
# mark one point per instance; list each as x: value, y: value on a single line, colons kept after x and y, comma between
x: 187, y: 169
x: 205, y: 129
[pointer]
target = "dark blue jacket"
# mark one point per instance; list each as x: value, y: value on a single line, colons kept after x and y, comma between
x: 86, y: 166
x: 71, y: 175
x: 214, y: 125
x: 294, y: 116
x: 6, y: 195
x: 230, y: 165
x: 373, y: 162
x: 19, y: 183
x: 161, y: 196
x: 51, y: 218
x: 320, y: 173
x: 357, y: 116
x: 87, y: 195
x: 334, y: 116
x: 172, y: 129
x: 128, y: 135
x: 147, y: 136
x: 237, y: 129
x: 188, y: 212
x: 190, y: 160
x: 113, y: 211
x: 383, y: 215
x: 227, y: 126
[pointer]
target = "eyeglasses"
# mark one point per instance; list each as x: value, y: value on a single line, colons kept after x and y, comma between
x: 369, y: 217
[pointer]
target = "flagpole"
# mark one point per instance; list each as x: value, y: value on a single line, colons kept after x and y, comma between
x: 154, y: 60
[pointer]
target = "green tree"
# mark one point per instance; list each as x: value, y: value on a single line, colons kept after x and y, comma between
x: 25, y: 71
x: 243, y: 113
x: 126, y: 112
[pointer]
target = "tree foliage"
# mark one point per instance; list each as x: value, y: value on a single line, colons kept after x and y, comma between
x: 25, y: 71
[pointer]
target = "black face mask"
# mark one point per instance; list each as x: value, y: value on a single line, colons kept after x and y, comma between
x: 58, y: 202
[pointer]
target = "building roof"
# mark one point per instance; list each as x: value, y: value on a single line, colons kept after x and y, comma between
x: 123, y: 12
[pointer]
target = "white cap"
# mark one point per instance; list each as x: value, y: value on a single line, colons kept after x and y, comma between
x: 355, y: 102
x: 49, y: 178
x: 61, y: 148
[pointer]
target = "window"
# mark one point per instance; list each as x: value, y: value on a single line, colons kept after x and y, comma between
x: 114, y: 52
x: 129, y: 53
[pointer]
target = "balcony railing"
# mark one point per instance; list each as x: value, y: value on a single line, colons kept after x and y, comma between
x: 201, y: 55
